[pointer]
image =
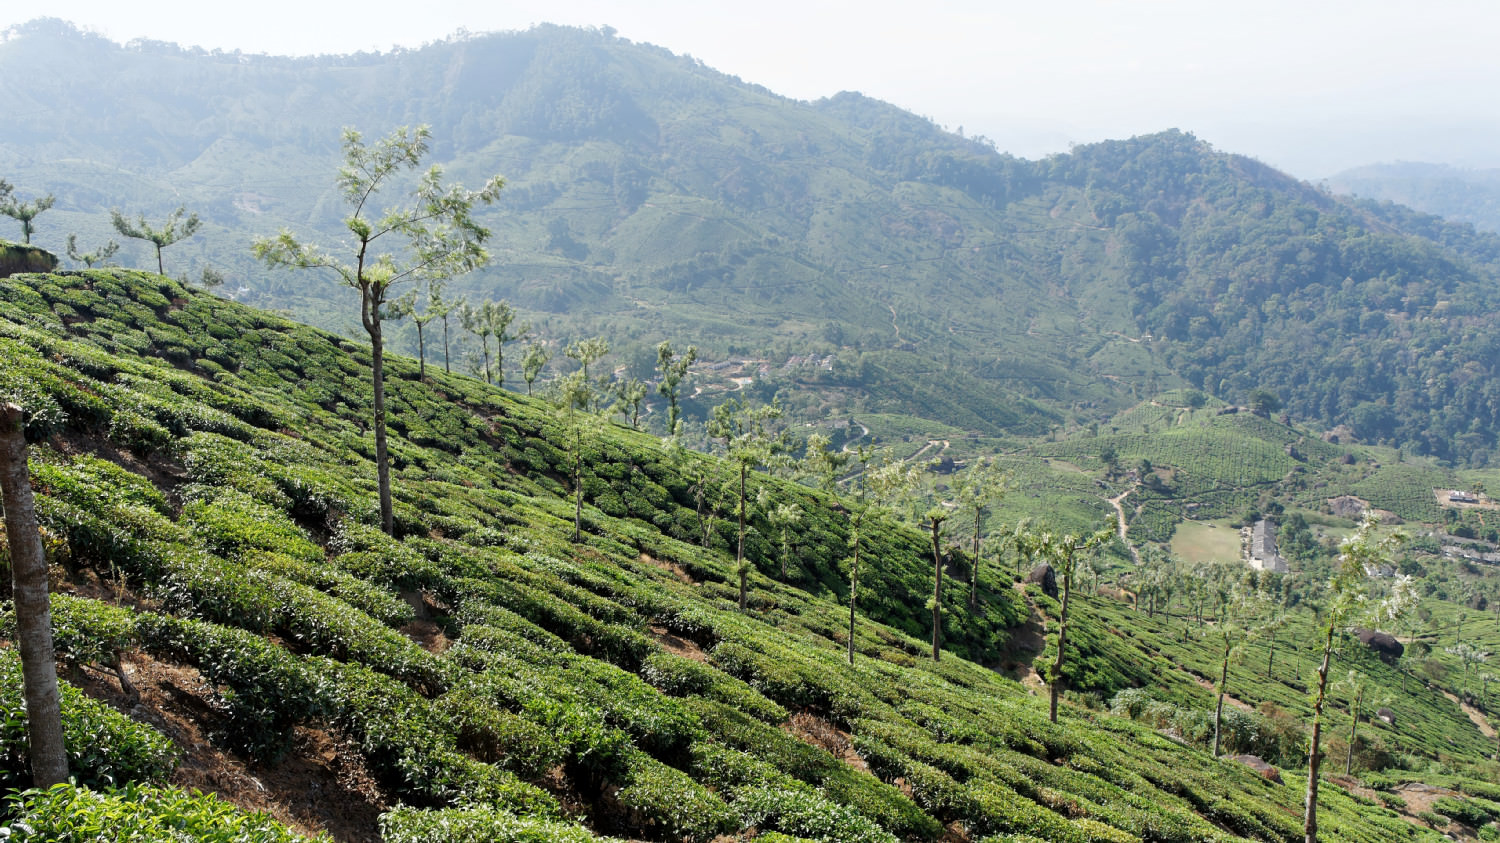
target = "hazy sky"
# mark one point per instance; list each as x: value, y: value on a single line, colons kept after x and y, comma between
x: 1309, y: 86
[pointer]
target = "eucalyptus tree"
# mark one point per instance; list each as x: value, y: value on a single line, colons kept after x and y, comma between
x: 24, y: 212
x: 1348, y: 603
x: 629, y: 393
x: 99, y: 256
x: 879, y: 483
x: 1356, y: 684
x: 784, y: 518
x: 407, y: 305
x: 172, y: 229
x: 501, y: 317
x: 1065, y: 551
x: 751, y: 443
x: 476, y: 321
x: 980, y: 487
x: 587, y: 352
x: 33, y: 608
x: 673, y: 368
x: 428, y: 234
x: 532, y: 362
x: 1237, y: 625
x: 821, y: 463
x: 575, y: 395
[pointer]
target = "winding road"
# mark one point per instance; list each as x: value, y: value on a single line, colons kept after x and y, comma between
x: 1122, y: 527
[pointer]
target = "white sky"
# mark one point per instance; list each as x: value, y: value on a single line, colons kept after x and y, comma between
x: 1312, y: 86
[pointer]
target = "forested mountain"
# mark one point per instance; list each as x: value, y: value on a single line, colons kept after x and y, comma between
x: 1461, y: 195
x: 653, y: 198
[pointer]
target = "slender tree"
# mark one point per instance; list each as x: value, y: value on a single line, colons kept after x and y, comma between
x: 673, y: 367
x: 167, y: 234
x: 1237, y: 625
x: 428, y: 235
x: 1347, y: 603
x: 408, y: 305
x: 476, y: 321
x: 629, y: 393
x: 445, y: 310
x: 28, y: 566
x: 880, y: 482
x: 979, y: 487
x: 587, y: 352
x: 24, y: 212
x: 536, y: 357
x: 784, y: 519
x: 1065, y: 550
x: 99, y: 256
x: 1355, y: 684
x: 575, y: 394
x: 501, y: 317
x: 750, y: 443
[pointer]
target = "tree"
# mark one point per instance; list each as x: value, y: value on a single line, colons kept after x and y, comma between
x: 536, y: 356
x: 477, y: 321
x: 164, y: 236
x: 751, y: 444
x: 500, y: 318
x: 674, y: 368
x: 587, y: 352
x: 980, y: 487
x: 1065, y: 551
x: 444, y: 310
x: 28, y: 564
x: 407, y: 306
x: 822, y: 463
x: 24, y: 212
x: 1470, y: 658
x: 575, y: 393
x: 784, y: 519
x: 880, y: 481
x: 1355, y: 684
x: 100, y: 255
x: 629, y: 393
x: 1235, y: 629
x: 428, y: 235
x: 1347, y: 603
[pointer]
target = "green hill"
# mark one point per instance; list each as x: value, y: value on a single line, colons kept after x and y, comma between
x: 204, y: 479
x: 652, y: 198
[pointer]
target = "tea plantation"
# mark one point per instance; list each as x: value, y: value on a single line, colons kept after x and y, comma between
x: 205, y: 481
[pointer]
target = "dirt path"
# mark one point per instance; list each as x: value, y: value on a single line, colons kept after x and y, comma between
x: 1475, y: 716
x: 894, y: 326
x: 1024, y: 646
x: 864, y: 432
x: 1122, y: 527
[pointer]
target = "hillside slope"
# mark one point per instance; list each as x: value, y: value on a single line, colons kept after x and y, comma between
x: 203, y: 474
x: 652, y: 198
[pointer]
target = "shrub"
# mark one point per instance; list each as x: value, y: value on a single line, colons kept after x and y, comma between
x: 665, y: 798
x: 136, y: 814
x: 103, y: 746
x: 476, y: 825
x: 808, y: 816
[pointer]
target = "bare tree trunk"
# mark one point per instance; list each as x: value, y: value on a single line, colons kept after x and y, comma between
x: 421, y: 355
x: 382, y: 458
x: 974, y: 570
x: 577, y: 486
x: 937, y: 592
x: 1314, y: 751
x: 49, y: 764
x: 1359, y: 695
x: 853, y: 587
x: 1219, y: 708
x: 1062, y: 640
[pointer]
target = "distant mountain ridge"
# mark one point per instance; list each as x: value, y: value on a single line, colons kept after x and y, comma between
x: 652, y: 198
x: 1462, y: 195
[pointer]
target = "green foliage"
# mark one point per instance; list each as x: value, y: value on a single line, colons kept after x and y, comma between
x: 136, y: 814
x: 104, y: 747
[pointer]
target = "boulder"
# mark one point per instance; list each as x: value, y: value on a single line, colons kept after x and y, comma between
x: 1384, y: 644
x: 1259, y: 765
x: 1386, y: 716
x: 1044, y: 576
